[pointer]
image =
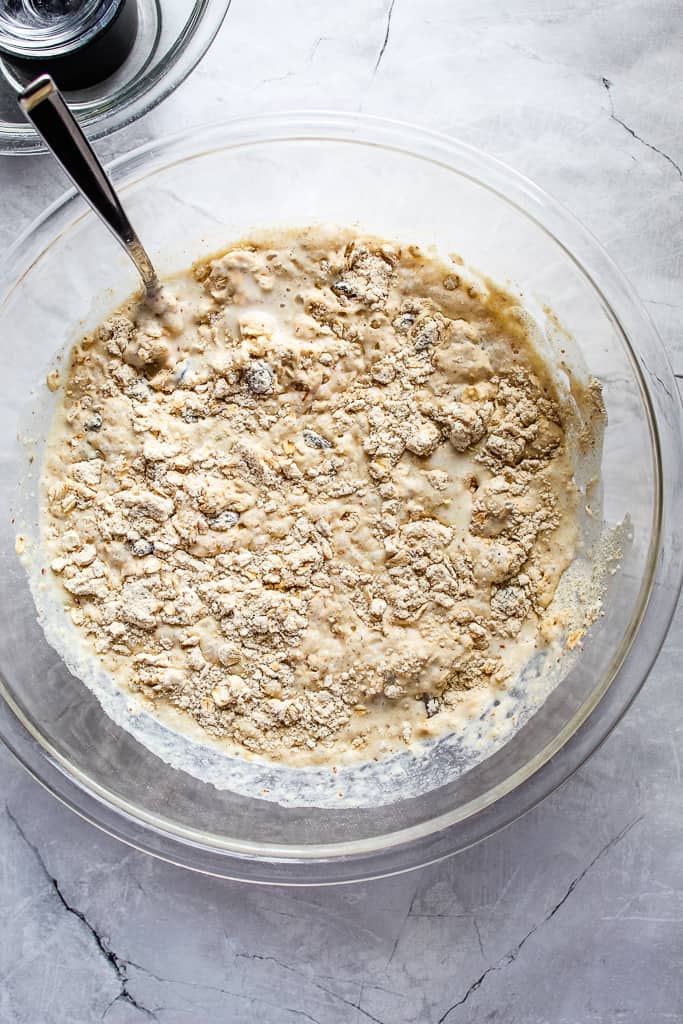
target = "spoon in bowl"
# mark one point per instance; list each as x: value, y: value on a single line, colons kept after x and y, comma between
x: 45, y: 107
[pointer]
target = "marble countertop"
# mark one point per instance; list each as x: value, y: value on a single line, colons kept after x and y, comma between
x: 574, y: 914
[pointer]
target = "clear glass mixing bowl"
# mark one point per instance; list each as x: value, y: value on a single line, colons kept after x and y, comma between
x: 189, y: 195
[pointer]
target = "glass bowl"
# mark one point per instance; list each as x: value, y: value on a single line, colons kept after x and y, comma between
x: 187, y: 197
x: 172, y: 37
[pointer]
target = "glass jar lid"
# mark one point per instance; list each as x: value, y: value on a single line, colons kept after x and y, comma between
x: 33, y: 28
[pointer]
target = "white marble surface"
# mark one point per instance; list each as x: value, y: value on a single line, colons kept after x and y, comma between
x: 573, y: 915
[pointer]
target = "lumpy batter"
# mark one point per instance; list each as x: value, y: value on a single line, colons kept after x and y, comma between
x: 313, y: 497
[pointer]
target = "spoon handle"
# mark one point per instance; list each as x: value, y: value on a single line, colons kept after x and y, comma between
x: 44, y: 106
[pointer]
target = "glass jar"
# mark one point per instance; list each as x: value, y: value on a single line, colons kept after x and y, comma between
x: 78, y: 42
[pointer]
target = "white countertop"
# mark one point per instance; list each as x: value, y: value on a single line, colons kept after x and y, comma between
x: 574, y: 914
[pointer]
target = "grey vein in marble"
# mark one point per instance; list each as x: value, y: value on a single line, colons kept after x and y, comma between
x: 608, y: 86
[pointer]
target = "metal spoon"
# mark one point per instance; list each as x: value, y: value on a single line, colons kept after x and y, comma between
x: 45, y: 107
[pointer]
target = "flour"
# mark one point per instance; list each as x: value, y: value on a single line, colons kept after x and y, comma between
x: 314, y: 499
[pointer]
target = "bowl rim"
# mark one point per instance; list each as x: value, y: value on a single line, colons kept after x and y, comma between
x: 598, y: 715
